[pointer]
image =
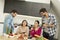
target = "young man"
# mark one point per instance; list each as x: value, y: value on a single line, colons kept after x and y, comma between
x: 49, y: 24
x: 8, y: 22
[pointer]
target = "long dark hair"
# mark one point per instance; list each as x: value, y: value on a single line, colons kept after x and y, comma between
x: 26, y: 23
x: 37, y: 22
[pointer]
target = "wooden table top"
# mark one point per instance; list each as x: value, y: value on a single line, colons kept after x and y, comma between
x: 9, y: 38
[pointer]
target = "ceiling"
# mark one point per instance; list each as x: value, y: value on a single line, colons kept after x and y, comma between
x: 56, y: 6
x: 39, y: 1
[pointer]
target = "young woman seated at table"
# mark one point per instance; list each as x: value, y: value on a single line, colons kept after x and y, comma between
x: 23, y: 30
x: 36, y: 31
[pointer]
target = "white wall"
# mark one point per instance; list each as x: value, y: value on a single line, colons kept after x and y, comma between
x: 56, y: 4
x: 40, y: 1
x: 1, y: 9
x: 1, y: 15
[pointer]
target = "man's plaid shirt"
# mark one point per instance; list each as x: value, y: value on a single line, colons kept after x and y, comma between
x: 51, y: 19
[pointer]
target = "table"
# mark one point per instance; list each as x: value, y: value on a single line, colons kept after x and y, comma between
x: 8, y: 38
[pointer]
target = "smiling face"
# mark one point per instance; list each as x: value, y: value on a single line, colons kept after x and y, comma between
x: 24, y: 23
x: 36, y: 23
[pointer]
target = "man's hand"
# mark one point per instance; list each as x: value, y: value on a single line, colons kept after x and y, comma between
x: 45, y: 25
x: 51, y: 25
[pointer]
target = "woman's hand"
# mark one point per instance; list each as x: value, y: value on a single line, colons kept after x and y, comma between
x: 37, y: 36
